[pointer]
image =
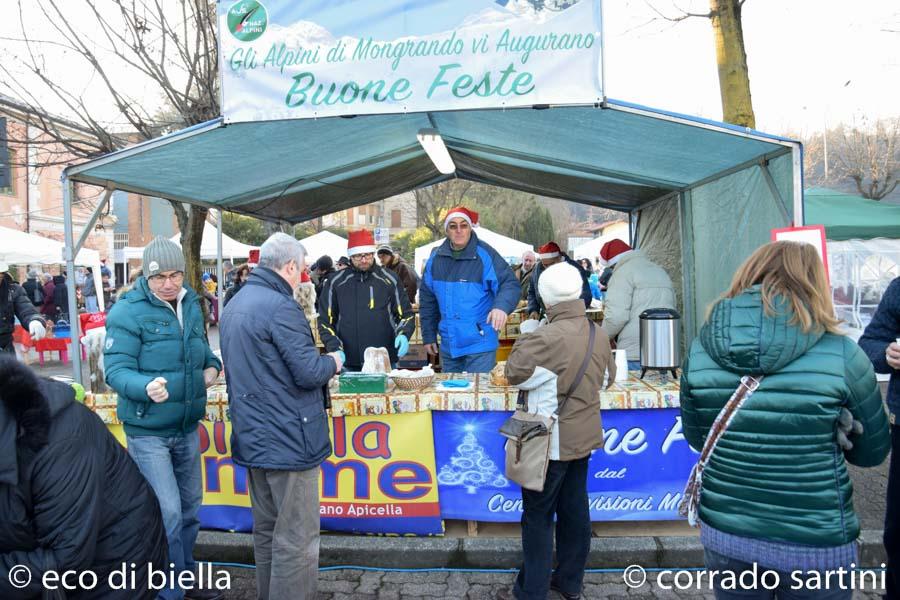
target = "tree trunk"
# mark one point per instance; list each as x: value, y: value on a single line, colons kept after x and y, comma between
x: 191, y: 220
x: 734, y: 79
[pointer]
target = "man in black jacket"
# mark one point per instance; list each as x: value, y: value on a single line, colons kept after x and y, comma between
x: 72, y: 498
x: 881, y: 342
x: 33, y: 289
x: 14, y: 303
x: 365, y: 306
x: 275, y: 378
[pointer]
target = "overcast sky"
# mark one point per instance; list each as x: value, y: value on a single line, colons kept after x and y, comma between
x: 801, y: 54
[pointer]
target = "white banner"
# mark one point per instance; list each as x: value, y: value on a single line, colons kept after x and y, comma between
x: 292, y: 59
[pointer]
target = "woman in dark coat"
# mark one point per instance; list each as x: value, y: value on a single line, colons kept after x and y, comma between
x: 70, y: 496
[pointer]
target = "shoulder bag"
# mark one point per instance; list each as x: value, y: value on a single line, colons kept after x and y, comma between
x: 529, y: 435
x: 690, y: 500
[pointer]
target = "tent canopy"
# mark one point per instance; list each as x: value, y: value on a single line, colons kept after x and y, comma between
x: 20, y: 248
x: 702, y: 195
x: 324, y: 243
x: 591, y: 248
x: 620, y: 157
x: 847, y: 217
x: 231, y: 248
x: 511, y: 250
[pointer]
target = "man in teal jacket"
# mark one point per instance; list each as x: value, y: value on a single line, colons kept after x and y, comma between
x: 158, y: 360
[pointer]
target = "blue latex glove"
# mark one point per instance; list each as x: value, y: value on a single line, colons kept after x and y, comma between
x: 455, y: 383
x: 402, y: 345
x: 343, y: 356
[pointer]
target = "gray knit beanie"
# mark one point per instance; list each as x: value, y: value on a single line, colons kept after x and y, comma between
x: 162, y: 255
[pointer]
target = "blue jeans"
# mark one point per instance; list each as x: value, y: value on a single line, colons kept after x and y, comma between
x: 482, y: 362
x: 172, y: 468
x: 719, y: 562
x: 91, y: 305
x: 565, y: 497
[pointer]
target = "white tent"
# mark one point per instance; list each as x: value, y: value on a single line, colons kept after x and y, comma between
x: 20, y: 248
x: 231, y: 248
x: 591, y: 249
x: 324, y: 243
x: 511, y: 250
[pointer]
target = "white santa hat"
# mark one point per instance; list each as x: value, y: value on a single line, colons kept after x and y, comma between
x: 559, y: 283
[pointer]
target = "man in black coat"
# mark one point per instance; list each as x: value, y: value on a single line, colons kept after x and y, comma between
x: 365, y: 306
x: 881, y: 342
x: 14, y: 304
x: 71, y: 497
x: 275, y: 378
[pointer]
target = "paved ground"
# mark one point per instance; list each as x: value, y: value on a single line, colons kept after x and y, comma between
x: 377, y: 585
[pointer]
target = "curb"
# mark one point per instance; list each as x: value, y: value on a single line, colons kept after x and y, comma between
x: 488, y: 552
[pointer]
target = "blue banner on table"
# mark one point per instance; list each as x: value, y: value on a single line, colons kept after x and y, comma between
x: 638, y: 475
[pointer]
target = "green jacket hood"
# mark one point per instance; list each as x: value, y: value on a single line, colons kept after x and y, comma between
x: 740, y: 337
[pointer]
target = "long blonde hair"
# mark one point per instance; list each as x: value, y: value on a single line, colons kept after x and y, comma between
x: 794, y: 271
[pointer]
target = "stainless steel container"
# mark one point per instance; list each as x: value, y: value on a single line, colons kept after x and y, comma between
x: 660, y: 340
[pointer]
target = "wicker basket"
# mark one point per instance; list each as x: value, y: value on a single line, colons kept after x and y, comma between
x: 413, y: 383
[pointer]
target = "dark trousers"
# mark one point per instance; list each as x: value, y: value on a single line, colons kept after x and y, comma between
x: 565, y: 497
x: 892, y: 519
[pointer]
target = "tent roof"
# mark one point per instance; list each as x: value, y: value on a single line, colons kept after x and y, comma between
x: 619, y: 155
x: 506, y: 247
x: 231, y: 248
x: 21, y: 248
x: 591, y: 248
x: 846, y: 216
x: 324, y: 243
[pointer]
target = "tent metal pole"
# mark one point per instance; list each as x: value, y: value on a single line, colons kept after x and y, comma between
x: 602, y: 53
x: 69, y: 257
x: 689, y: 311
x: 220, y: 288
x: 91, y: 222
x: 799, y: 209
x: 779, y: 201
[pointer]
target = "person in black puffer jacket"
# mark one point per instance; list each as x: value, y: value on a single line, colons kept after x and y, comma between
x: 60, y: 297
x: 70, y: 496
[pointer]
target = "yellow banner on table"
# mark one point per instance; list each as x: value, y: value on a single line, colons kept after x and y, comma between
x: 380, y: 478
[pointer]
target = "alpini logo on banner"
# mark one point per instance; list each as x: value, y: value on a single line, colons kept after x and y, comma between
x: 247, y: 20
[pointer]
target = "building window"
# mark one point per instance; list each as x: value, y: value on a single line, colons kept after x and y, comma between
x: 360, y: 219
x: 10, y: 190
x: 120, y: 240
x: 396, y: 220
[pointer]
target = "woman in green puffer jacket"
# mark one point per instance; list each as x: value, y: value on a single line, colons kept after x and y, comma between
x: 776, y: 493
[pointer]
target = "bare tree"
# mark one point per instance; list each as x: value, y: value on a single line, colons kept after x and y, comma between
x: 731, y: 58
x: 433, y: 202
x: 869, y: 156
x: 171, y: 44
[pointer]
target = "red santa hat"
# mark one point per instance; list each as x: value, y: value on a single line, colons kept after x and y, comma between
x: 612, y: 251
x: 360, y: 242
x: 253, y: 259
x: 461, y: 212
x: 549, y: 250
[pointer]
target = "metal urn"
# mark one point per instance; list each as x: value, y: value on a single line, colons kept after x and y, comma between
x: 660, y: 340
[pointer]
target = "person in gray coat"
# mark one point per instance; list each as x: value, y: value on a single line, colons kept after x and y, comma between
x: 276, y: 393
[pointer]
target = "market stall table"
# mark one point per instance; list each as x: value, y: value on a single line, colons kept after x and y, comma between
x: 381, y: 478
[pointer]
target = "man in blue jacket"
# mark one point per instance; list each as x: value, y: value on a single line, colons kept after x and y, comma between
x: 881, y: 341
x: 158, y: 360
x: 276, y: 379
x: 467, y: 293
